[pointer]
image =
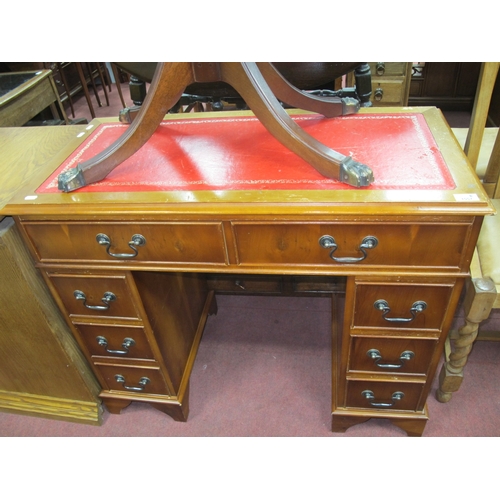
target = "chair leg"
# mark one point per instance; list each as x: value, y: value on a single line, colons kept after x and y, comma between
x: 92, y: 83
x: 479, y: 299
x: 66, y: 87
x: 103, y: 82
x: 83, y: 82
x: 116, y: 75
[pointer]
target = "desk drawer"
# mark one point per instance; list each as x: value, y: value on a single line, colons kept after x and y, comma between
x: 401, y: 305
x: 96, y: 295
x: 116, y: 341
x: 388, y: 355
x: 387, y: 91
x: 134, y: 380
x: 242, y: 283
x: 124, y: 241
x: 306, y: 244
x: 384, y: 395
x: 387, y: 69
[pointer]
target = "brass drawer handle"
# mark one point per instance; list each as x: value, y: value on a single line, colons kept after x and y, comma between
x: 417, y: 307
x: 397, y: 396
x: 142, y: 383
x: 367, y: 243
x: 377, y: 358
x: 137, y: 241
x: 378, y: 94
x: 106, y: 299
x: 126, y: 344
x: 380, y: 68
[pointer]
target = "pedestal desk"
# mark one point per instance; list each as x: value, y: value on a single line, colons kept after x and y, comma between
x: 135, y: 261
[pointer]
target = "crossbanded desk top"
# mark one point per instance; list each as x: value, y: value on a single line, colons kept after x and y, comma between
x: 224, y: 161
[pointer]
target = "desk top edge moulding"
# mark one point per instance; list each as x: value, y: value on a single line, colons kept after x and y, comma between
x: 128, y: 263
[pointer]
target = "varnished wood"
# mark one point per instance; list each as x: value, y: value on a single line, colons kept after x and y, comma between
x: 428, y: 239
x: 487, y: 78
x: 390, y: 83
x: 24, y: 102
x: 483, y: 289
x: 481, y: 295
x: 114, y: 405
x: 42, y: 371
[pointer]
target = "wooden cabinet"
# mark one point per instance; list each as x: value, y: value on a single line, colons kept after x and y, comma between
x: 450, y: 86
x: 137, y: 306
x: 390, y: 83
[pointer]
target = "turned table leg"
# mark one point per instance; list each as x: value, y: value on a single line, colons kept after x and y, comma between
x: 479, y: 300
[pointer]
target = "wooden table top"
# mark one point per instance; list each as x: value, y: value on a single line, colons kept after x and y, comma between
x: 31, y: 155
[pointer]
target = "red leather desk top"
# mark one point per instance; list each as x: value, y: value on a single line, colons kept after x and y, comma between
x: 237, y: 153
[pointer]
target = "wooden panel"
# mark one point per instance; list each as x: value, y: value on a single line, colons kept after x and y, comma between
x: 398, y: 244
x: 165, y: 242
x: 41, y: 367
x: 176, y: 305
x: 245, y: 283
x: 28, y: 100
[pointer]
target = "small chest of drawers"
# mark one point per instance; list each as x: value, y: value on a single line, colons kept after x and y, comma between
x: 390, y: 83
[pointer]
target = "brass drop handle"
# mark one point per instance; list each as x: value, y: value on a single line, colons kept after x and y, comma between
x: 377, y: 358
x: 142, y: 383
x: 397, y: 396
x: 380, y: 68
x: 137, y: 241
x: 126, y: 344
x: 383, y: 305
x: 106, y: 299
x: 378, y: 94
x: 367, y: 243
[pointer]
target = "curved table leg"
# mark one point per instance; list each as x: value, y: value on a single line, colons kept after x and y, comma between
x: 287, y: 93
x: 167, y: 86
x: 249, y: 82
x: 479, y: 300
x: 169, y: 82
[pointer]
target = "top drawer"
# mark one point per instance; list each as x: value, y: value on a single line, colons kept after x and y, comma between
x: 195, y: 242
x: 313, y: 244
x: 388, y: 68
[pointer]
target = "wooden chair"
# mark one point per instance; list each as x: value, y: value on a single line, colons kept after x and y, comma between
x: 482, y: 147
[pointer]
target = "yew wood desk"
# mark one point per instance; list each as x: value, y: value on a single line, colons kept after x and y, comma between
x: 213, y: 203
